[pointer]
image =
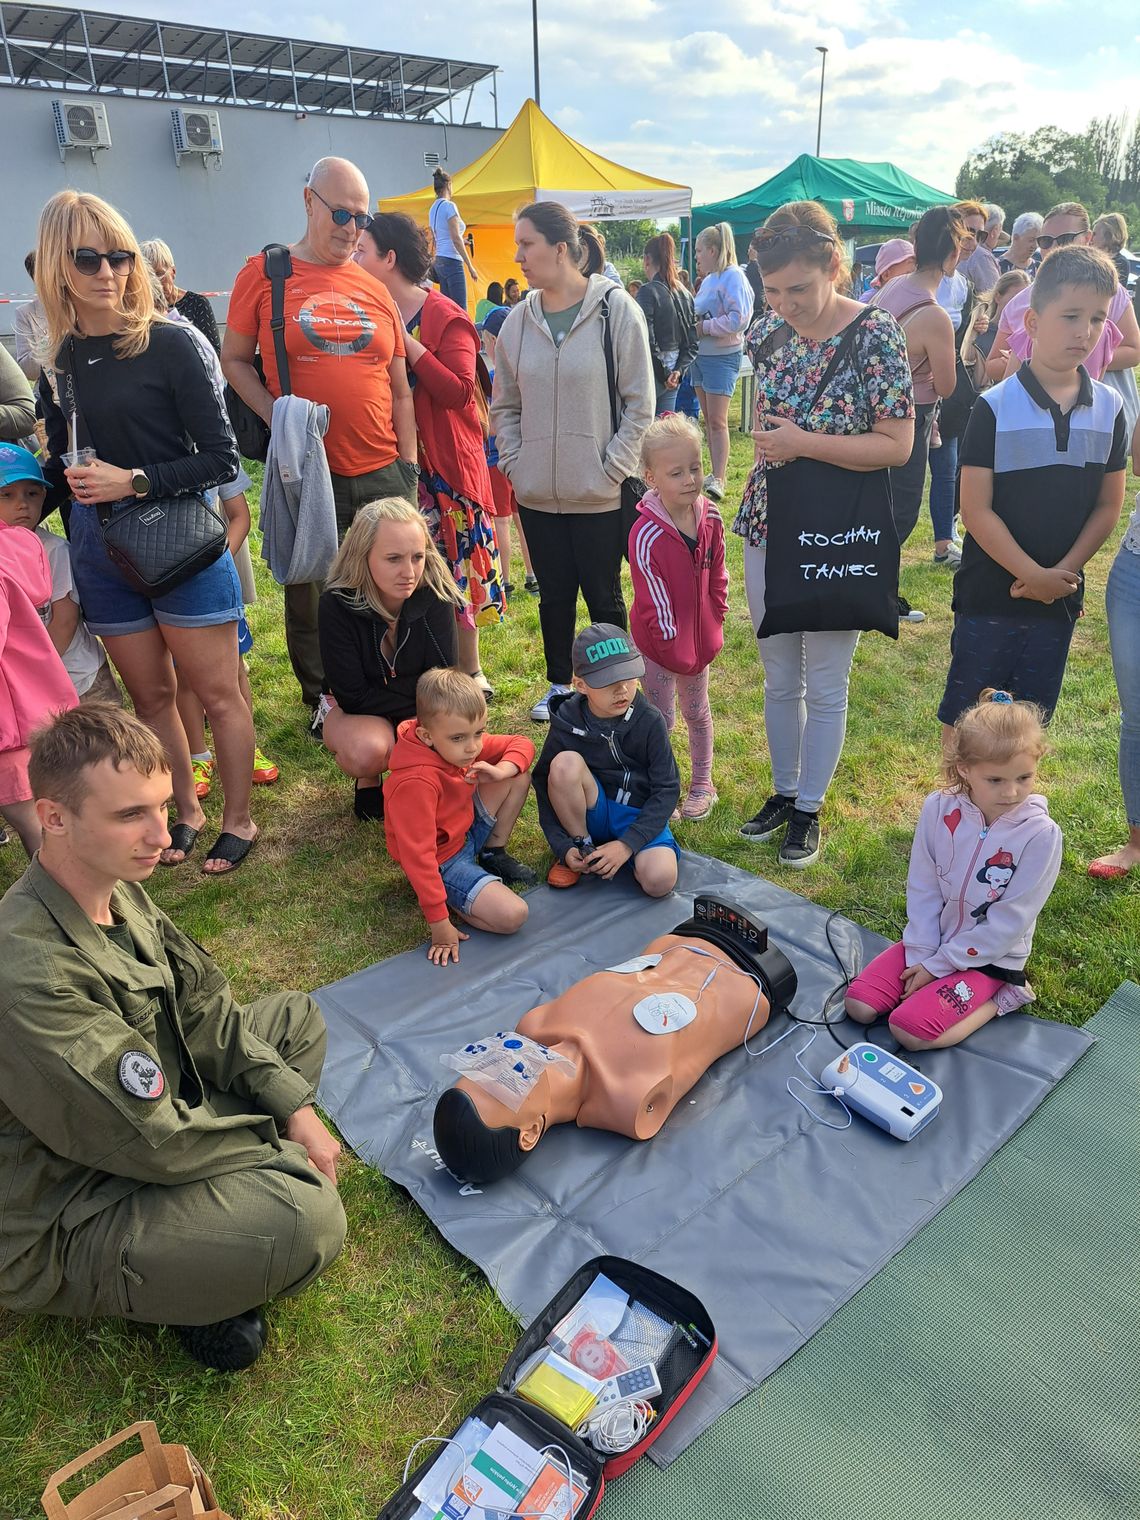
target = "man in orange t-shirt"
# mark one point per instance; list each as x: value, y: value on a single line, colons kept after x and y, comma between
x: 345, y: 343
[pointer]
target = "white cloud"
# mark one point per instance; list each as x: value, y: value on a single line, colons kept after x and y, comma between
x: 722, y: 93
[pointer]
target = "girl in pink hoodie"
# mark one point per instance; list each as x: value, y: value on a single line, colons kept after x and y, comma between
x: 984, y: 860
x: 33, y: 682
x: 680, y: 592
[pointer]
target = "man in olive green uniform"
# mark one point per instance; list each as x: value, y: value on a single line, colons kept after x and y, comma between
x: 160, y: 1157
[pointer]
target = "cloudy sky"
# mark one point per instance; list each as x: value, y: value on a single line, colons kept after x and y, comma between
x: 718, y: 94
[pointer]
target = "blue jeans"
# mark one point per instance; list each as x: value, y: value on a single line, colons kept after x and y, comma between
x: 907, y: 479
x: 1122, y: 599
x: 943, y: 480
x: 452, y: 280
x: 687, y: 403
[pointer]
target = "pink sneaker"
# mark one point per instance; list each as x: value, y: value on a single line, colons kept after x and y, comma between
x: 699, y: 803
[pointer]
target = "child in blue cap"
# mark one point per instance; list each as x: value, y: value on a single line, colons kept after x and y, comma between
x: 23, y: 490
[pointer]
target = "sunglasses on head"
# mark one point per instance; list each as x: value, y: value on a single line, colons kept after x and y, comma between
x: 1062, y: 240
x: 342, y: 217
x: 90, y: 260
x: 800, y: 233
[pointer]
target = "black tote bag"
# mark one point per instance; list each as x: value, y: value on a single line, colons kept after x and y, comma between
x: 832, y: 561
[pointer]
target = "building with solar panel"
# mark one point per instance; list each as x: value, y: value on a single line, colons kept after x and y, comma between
x: 204, y: 137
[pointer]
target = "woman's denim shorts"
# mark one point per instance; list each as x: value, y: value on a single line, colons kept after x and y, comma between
x: 715, y: 373
x: 112, y: 606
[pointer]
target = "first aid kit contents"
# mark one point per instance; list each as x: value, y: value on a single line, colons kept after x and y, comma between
x: 884, y: 1088
x: 489, y: 1470
x: 598, y: 1356
x: 593, y: 1380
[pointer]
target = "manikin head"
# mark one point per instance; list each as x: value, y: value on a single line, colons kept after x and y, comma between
x: 481, y: 1139
x: 507, y: 1094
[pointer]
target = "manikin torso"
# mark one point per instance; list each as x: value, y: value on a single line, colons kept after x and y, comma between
x: 634, y: 1079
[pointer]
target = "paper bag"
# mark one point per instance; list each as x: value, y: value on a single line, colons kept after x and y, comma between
x: 162, y: 1482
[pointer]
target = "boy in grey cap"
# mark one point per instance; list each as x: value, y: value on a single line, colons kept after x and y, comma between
x: 606, y: 780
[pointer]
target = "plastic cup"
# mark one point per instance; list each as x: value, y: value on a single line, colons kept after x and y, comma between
x: 77, y: 458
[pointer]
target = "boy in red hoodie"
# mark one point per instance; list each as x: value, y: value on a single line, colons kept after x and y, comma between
x: 452, y: 796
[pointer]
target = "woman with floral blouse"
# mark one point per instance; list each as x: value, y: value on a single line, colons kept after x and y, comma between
x: 861, y: 421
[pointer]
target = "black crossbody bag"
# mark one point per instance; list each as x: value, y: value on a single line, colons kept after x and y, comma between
x: 157, y: 542
x: 633, y: 488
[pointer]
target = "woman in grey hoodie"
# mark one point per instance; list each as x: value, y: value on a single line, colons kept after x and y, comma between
x: 552, y: 417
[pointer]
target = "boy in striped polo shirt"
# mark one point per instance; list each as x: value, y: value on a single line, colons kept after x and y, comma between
x: 1043, y: 468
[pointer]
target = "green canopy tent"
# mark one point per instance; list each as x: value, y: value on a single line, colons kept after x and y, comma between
x: 861, y: 197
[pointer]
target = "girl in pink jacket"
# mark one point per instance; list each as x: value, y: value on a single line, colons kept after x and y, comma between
x: 33, y: 682
x: 680, y: 592
x: 984, y: 860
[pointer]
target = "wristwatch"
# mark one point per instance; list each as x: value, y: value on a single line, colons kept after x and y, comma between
x: 140, y: 482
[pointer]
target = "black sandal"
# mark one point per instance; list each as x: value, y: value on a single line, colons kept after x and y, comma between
x: 184, y: 838
x: 504, y: 865
x: 231, y: 848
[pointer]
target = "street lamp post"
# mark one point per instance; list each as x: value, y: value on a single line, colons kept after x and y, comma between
x: 534, y: 27
x: 822, y: 51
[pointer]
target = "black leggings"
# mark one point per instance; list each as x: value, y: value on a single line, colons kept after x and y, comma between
x: 573, y: 551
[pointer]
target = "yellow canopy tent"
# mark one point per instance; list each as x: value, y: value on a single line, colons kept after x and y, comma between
x: 536, y: 161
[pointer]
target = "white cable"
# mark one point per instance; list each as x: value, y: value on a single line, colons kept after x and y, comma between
x: 816, y: 1089
x: 618, y: 1427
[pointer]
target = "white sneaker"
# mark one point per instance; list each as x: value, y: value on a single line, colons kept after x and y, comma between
x: 909, y: 614
x: 952, y: 557
x: 540, y: 712
x: 714, y: 487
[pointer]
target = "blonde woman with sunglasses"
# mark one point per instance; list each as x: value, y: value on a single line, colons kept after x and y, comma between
x: 131, y: 388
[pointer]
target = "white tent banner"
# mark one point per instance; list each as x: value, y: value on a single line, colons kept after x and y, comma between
x: 621, y: 205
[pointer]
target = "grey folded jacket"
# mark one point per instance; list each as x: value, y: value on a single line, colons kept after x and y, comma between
x: 298, y: 513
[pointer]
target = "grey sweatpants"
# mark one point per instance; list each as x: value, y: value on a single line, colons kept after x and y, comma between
x: 805, y: 697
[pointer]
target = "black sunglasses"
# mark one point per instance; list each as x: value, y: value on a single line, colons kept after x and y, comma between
x: 1062, y: 240
x: 797, y: 234
x: 90, y: 260
x: 341, y: 217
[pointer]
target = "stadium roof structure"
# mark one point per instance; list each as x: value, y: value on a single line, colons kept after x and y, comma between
x: 102, y: 53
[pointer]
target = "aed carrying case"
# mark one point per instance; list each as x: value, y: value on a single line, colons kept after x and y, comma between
x: 687, y: 1358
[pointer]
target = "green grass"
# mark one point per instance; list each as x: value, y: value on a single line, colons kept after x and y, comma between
x: 402, y: 1335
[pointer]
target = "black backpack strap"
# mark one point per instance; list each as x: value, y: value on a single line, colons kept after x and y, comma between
x: 611, y: 368
x: 278, y: 266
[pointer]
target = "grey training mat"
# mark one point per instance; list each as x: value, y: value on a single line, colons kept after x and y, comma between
x: 772, y: 1219
x: 987, y: 1373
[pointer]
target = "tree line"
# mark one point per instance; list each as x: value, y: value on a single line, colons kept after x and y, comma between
x: 1100, y: 167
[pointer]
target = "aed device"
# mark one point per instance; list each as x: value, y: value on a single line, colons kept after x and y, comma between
x: 884, y: 1088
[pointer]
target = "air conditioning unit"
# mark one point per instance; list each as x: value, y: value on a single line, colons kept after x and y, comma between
x: 80, y: 124
x: 431, y: 160
x: 196, y: 132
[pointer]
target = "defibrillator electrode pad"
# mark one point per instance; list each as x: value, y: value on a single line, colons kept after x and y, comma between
x: 507, y: 1064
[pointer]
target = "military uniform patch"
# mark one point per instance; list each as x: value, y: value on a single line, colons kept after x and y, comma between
x: 141, y: 1075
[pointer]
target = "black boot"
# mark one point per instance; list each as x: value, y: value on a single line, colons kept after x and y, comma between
x: 368, y: 803
x: 227, y: 1346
